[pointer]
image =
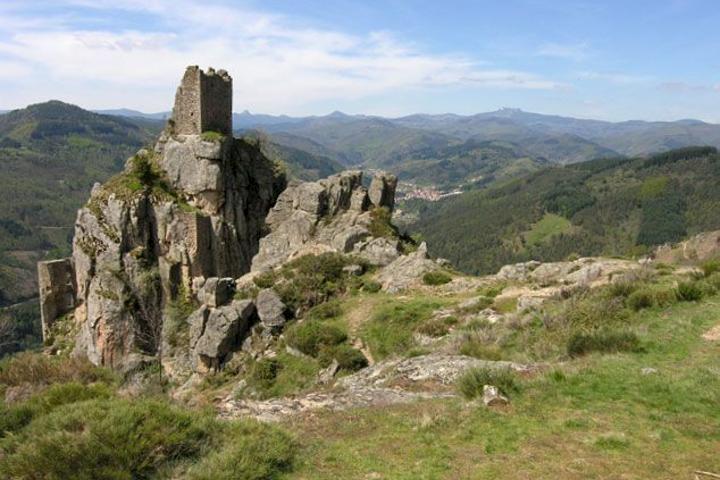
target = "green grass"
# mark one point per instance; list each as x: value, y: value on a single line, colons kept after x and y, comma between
x: 436, y: 278
x: 390, y: 330
x: 471, y: 383
x: 283, y: 375
x: 589, y: 418
x: 549, y: 225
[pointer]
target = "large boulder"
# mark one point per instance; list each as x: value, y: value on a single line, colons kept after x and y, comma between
x: 223, y: 331
x: 407, y: 270
x: 271, y: 309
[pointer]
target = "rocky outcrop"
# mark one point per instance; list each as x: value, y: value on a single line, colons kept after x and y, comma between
x: 701, y: 247
x: 334, y: 214
x: 178, y: 225
x: 407, y: 270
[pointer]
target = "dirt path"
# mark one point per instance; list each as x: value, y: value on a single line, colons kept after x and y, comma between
x: 358, y: 315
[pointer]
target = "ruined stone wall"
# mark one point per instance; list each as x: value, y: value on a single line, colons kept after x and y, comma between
x: 56, y: 282
x: 203, y: 102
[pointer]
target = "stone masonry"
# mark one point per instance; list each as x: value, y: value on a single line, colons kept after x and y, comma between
x: 56, y: 281
x: 203, y: 103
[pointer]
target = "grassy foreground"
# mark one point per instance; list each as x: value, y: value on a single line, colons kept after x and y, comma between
x: 596, y: 417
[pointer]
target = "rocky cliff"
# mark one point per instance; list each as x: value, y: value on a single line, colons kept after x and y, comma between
x: 191, y: 208
x: 158, y: 248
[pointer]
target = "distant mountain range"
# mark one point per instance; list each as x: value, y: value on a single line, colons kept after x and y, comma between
x: 415, y: 145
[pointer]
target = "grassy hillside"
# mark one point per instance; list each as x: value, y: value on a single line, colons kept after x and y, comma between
x: 51, y: 154
x: 613, y: 207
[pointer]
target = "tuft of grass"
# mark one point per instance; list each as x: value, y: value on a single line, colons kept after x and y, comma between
x: 474, y: 348
x: 390, y: 330
x: 437, y: 327
x: 436, y: 278
x: 604, y: 342
x: 471, y: 383
x: 211, y: 136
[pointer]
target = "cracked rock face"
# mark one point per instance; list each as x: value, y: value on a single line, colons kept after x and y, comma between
x: 333, y: 214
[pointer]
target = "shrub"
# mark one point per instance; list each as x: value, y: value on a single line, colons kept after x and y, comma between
x: 39, y: 369
x: 603, y: 342
x: 349, y: 359
x: 381, y: 223
x: 107, y: 438
x: 313, y: 279
x: 436, y: 278
x: 689, y: 292
x: 492, y: 291
x: 471, y: 383
x: 265, y: 371
x: 709, y: 267
x: 310, y: 336
x: 641, y: 299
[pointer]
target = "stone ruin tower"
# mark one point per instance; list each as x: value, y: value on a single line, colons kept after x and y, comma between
x: 203, y: 103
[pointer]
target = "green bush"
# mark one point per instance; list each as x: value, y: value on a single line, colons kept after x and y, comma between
x: 311, y: 335
x: 99, y: 439
x: 349, y: 359
x: 313, y: 279
x: 709, y: 267
x: 641, y: 299
x: 265, y: 371
x: 471, y: 383
x: 604, y: 342
x: 689, y: 292
x: 381, y: 223
x: 436, y: 278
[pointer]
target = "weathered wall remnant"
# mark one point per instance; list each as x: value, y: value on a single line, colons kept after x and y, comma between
x: 56, y: 281
x: 203, y: 102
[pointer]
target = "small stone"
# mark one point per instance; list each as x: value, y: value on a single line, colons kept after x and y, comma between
x: 326, y: 375
x: 648, y: 371
x: 492, y: 396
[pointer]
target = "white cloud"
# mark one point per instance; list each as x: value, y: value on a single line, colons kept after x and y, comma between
x: 278, y: 64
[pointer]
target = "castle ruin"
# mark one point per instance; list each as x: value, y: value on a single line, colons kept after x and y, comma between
x: 203, y: 103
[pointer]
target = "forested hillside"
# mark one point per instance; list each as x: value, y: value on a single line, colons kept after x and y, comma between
x: 611, y: 207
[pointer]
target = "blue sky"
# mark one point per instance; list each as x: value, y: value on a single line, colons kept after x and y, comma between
x: 614, y: 60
